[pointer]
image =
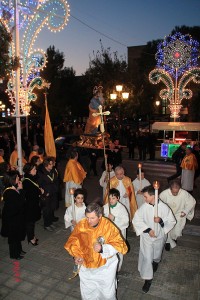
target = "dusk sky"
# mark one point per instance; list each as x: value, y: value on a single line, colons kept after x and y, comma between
x: 128, y: 22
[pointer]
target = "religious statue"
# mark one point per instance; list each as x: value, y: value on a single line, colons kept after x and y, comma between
x: 94, y: 121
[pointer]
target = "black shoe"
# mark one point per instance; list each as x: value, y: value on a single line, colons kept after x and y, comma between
x: 55, y: 219
x: 155, y: 266
x: 146, y: 286
x: 17, y: 258
x: 167, y: 247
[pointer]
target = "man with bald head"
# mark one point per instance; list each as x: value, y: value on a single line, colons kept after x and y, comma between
x: 182, y: 204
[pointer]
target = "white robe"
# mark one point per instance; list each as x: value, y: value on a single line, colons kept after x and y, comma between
x: 79, y: 215
x: 151, y: 248
x: 121, y: 221
x: 187, y: 179
x: 100, y: 283
x: 123, y: 200
x: 183, y: 202
x: 138, y: 187
x: 102, y: 181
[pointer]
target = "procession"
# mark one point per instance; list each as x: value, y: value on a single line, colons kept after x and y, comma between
x: 99, y: 150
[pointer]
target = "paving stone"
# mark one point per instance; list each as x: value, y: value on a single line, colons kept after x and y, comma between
x: 55, y: 295
x: 4, y: 291
x: 17, y: 295
x: 38, y: 293
x: 25, y: 287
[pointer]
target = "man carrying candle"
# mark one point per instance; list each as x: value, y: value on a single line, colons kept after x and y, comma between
x: 139, y: 183
x: 151, y: 244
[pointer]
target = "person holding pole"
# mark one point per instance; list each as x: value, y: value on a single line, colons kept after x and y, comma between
x: 76, y: 211
x: 152, y: 221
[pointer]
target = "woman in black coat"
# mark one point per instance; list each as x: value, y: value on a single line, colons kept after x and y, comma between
x: 32, y: 194
x: 13, y: 214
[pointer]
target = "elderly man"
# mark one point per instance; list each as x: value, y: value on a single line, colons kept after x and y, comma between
x: 182, y: 204
x: 94, y: 244
x: 127, y: 194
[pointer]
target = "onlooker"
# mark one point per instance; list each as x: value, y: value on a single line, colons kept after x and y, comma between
x: 46, y: 182
x: 13, y: 214
x: 177, y: 157
x: 32, y: 207
x: 196, y: 152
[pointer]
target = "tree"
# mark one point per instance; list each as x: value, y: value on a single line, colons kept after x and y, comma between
x: 107, y: 69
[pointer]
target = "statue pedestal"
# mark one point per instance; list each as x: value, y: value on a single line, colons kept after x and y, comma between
x: 93, y: 141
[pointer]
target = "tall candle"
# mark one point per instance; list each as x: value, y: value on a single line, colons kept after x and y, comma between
x: 156, y: 186
x: 71, y: 192
x: 140, y: 175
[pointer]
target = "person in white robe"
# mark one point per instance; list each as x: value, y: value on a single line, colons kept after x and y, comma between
x: 118, y: 214
x: 139, y: 183
x: 94, y: 243
x: 153, y: 234
x: 103, y: 181
x: 182, y: 204
x: 73, y: 216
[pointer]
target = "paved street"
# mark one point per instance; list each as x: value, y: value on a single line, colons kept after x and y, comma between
x: 44, y: 272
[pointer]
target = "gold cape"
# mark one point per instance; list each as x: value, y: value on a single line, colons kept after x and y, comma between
x: 114, y: 182
x: 74, y: 172
x: 189, y: 162
x: 83, y: 237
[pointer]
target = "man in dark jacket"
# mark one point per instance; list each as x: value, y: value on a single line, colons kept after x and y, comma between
x: 47, y: 183
x: 177, y: 157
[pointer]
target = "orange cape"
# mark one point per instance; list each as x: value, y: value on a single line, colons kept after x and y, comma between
x: 74, y: 172
x: 189, y: 162
x: 83, y: 237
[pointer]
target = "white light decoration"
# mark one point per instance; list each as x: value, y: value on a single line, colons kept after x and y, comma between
x: 34, y: 15
x: 177, y: 59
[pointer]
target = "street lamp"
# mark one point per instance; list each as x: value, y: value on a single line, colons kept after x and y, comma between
x: 119, y: 97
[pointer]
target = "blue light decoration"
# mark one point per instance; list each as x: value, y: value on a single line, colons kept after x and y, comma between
x: 177, y: 52
x: 34, y: 15
x: 177, y: 59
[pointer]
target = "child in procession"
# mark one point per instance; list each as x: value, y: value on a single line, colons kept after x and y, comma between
x: 118, y: 214
x: 79, y: 210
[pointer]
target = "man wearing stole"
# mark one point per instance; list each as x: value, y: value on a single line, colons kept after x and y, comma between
x: 127, y: 194
x: 94, y: 244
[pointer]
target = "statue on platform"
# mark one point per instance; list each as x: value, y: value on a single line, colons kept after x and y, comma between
x: 93, y: 122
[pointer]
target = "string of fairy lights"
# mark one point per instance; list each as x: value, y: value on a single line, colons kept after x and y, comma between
x: 34, y: 15
x: 177, y: 65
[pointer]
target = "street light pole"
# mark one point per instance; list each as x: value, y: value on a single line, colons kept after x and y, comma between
x: 119, y: 96
x: 17, y: 89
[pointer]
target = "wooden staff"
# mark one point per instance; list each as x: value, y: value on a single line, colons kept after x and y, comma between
x: 102, y: 129
x: 156, y: 186
x: 71, y: 192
